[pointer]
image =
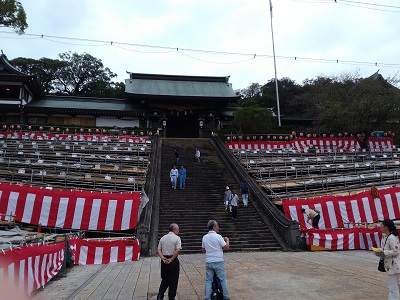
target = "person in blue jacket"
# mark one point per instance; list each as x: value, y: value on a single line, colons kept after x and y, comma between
x: 182, y: 177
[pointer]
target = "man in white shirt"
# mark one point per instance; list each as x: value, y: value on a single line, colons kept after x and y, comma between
x: 173, y: 174
x: 168, y: 250
x: 213, y: 245
x: 312, y: 215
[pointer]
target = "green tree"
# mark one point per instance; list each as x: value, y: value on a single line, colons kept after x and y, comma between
x: 45, y: 70
x: 253, y: 120
x: 72, y: 74
x: 13, y: 15
x: 82, y: 75
x: 351, y: 104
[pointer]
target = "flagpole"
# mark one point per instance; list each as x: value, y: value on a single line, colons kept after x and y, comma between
x: 276, y: 75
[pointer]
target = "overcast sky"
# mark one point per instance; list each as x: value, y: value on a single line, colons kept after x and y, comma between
x: 361, y: 31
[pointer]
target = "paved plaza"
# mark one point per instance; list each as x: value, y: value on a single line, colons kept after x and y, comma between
x: 251, y: 275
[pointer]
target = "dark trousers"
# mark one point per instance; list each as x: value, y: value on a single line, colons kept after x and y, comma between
x: 315, y: 221
x: 169, y: 278
x: 234, y: 212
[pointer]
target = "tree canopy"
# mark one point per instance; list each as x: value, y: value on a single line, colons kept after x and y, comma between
x: 253, y: 119
x: 345, y: 103
x: 73, y: 74
x: 12, y: 14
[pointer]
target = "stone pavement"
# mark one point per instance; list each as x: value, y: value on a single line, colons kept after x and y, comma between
x: 251, y: 275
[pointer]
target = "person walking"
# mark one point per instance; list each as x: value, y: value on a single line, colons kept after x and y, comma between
x: 197, y: 155
x: 182, y: 177
x: 244, y: 189
x: 227, y: 198
x: 213, y: 245
x: 173, y: 174
x: 176, y: 157
x: 313, y: 215
x: 234, y: 205
x: 389, y: 251
x: 168, y: 250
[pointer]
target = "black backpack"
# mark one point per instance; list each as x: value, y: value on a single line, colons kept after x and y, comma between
x: 216, y: 293
x: 245, y: 187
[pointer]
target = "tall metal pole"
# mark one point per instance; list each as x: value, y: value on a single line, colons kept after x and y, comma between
x: 276, y: 75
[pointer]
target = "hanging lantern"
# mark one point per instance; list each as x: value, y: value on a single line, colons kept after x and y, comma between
x: 97, y: 130
x: 4, y: 126
x: 340, y: 134
x: 291, y: 136
x: 268, y: 137
x: 324, y: 135
x: 51, y: 128
x: 41, y: 128
x: 228, y: 138
x: 294, y: 133
x: 150, y: 133
x: 308, y: 135
x: 346, y: 133
x: 57, y: 129
x: 314, y: 135
x: 67, y: 130
x: 389, y: 132
x: 141, y: 133
x: 132, y: 133
x: 254, y: 137
x: 124, y: 132
x: 332, y: 135
x: 274, y: 137
x: 377, y: 135
x: 385, y: 134
x: 247, y: 138
x: 104, y: 131
x: 301, y: 134
x: 18, y: 126
x: 234, y: 137
x: 286, y: 138
x: 81, y: 130
x: 260, y: 137
x: 11, y: 126
x: 29, y: 127
x: 281, y: 137
x: 240, y: 137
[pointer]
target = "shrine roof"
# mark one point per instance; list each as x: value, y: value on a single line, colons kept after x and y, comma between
x: 179, y: 86
x: 85, y: 103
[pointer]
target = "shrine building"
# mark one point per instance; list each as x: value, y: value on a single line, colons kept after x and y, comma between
x: 177, y: 106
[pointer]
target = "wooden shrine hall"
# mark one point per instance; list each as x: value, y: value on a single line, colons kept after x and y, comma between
x: 177, y: 106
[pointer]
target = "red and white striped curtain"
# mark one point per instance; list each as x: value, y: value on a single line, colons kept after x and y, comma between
x: 326, y: 144
x: 337, y: 211
x: 70, y: 209
x: 89, y: 252
x: 259, y: 145
x: 344, y: 239
x: 380, y: 144
x: 31, y: 267
x: 300, y: 145
x: 33, y: 135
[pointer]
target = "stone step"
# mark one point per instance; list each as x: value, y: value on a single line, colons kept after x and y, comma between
x: 202, y: 200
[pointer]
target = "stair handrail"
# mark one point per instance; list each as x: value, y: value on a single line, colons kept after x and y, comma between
x: 147, y: 228
x: 284, y: 228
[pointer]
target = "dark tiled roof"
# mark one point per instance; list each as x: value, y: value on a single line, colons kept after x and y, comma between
x: 86, y: 103
x: 179, y: 86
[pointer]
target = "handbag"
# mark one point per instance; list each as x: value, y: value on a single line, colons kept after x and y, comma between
x: 381, y: 265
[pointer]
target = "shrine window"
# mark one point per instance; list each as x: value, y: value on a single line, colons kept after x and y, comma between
x: 9, y: 92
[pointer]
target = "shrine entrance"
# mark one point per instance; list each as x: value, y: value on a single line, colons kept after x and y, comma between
x: 183, y: 126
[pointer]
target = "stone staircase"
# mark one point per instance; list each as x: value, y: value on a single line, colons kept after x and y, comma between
x: 202, y: 200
